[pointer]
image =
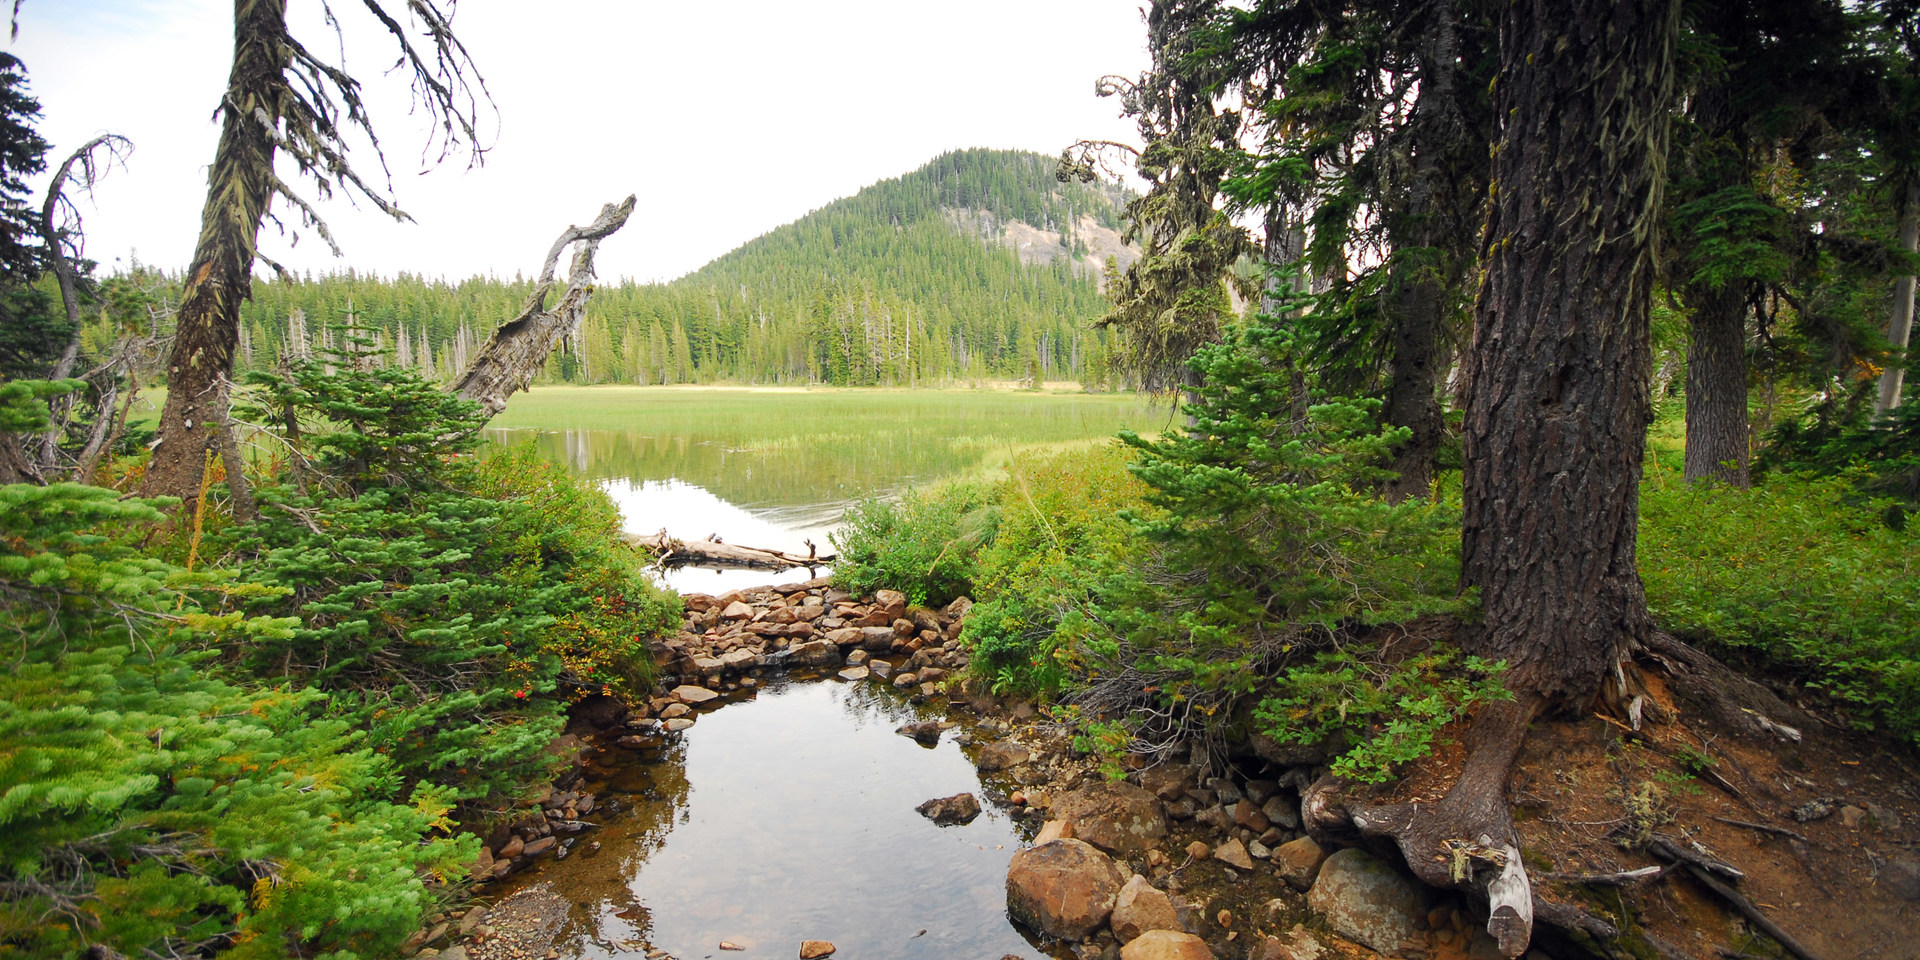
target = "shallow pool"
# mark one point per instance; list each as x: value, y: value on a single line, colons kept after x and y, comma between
x: 784, y: 817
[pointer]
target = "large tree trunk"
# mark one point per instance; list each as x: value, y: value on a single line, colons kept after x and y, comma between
x: 1557, y: 412
x: 1717, y: 442
x: 1900, y: 319
x: 239, y: 187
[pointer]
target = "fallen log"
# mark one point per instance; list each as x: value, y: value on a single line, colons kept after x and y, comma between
x: 675, y: 552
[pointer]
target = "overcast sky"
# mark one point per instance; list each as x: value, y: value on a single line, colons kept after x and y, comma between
x: 726, y: 119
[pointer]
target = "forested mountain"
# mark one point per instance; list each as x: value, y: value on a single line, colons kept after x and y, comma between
x: 978, y: 265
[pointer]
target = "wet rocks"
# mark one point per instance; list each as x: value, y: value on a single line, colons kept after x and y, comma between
x: 1166, y: 945
x: 926, y: 732
x: 814, y: 653
x: 959, y: 808
x: 693, y: 696
x: 853, y: 673
x: 1140, y: 908
x: 1000, y: 755
x: 1065, y: 889
x: 1369, y: 902
x: 1119, y: 818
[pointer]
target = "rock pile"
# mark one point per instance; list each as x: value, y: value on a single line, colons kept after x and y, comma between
x: 812, y: 625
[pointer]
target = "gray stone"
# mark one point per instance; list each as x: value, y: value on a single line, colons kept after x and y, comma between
x: 677, y: 724
x: 691, y: 695
x: 924, y: 732
x: 1260, y: 791
x: 1369, y: 902
x: 1117, y: 817
x: 880, y: 668
x: 876, y: 639
x: 814, y: 653
x: 1902, y: 878
x: 1282, y: 811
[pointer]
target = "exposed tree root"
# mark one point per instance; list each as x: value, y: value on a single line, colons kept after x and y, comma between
x: 1465, y: 841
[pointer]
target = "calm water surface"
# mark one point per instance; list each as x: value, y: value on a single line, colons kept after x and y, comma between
x: 789, y: 817
x: 771, y: 468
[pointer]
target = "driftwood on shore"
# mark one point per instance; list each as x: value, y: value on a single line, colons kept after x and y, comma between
x: 675, y: 552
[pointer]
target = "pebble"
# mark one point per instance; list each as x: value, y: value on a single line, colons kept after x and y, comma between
x: 815, y: 949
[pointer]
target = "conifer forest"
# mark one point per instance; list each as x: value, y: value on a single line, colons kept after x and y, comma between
x: 1523, y: 564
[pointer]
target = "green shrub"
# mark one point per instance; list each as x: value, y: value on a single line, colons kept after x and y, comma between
x: 152, y: 808
x: 450, y: 606
x: 923, y: 544
x: 1798, y: 575
x: 1382, y: 715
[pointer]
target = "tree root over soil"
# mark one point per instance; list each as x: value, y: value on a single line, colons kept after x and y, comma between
x: 1676, y: 713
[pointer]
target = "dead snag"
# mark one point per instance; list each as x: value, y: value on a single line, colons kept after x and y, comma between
x: 518, y: 348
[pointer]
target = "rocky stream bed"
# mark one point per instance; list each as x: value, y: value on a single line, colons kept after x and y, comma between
x: 1176, y: 862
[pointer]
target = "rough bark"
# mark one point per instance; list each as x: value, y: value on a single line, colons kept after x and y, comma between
x: 1900, y: 319
x: 1717, y: 442
x: 518, y: 348
x: 240, y: 185
x: 1428, y: 250
x: 1558, y: 410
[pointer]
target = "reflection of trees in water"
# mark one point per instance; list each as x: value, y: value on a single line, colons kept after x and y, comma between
x: 651, y: 789
x: 793, y: 470
x: 807, y: 450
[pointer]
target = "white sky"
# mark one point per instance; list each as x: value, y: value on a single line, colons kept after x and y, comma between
x: 726, y: 119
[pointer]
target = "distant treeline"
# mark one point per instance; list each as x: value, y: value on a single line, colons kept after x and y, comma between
x: 905, y: 283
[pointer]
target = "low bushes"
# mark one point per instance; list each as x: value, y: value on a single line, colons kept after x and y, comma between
x: 1799, y: 578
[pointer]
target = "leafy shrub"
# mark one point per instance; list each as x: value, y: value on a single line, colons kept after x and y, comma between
x: 1836, y: 437
x: 1385, y: 715
x: 923, y: 544
x: 1798, y: 574
x: 155, y: 809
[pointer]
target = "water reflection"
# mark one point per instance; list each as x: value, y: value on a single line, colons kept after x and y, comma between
x: 785, y: 818
x: 778, y: 469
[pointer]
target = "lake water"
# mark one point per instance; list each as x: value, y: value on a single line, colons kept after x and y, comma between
x: 778, y: 468
x: 789, y: 816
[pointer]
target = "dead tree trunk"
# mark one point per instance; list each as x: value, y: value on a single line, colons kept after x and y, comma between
x: 82, y: 167
x: 517, y: 349
x: 240, y: 185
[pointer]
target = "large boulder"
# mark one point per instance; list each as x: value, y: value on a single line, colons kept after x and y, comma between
x: 1166, y: 945
x: 1119, y: 818
x: 1064, y: 889
x: 1369, y: 902
x: 1140, y: 908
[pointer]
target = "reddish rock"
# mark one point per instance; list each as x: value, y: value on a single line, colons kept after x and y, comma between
x: 1064, y: 889
x: 1166, y: 945
x: 1245, y: 814
x: 737, y: 611
x: 893, y: 603
x: 1000, y: 755
x: 1140, y: 908
x: 1298, y: 862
